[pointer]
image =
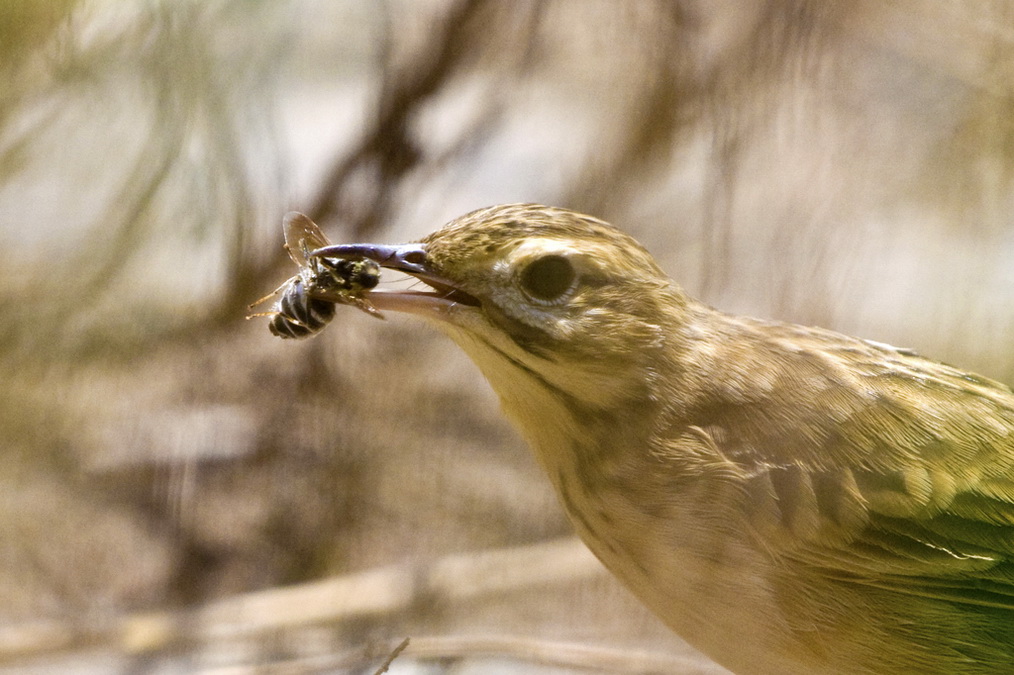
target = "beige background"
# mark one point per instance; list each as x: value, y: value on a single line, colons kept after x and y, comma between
x: 180, y: 491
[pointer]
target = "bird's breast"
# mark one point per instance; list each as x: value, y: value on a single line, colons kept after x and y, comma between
x: 678, y: 553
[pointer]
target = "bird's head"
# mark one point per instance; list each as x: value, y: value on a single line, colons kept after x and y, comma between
x: 542, y: 299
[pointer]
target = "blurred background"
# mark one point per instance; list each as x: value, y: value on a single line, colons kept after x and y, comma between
x: 182, y: 492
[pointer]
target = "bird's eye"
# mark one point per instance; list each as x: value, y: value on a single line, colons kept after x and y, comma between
x: 548, y: 279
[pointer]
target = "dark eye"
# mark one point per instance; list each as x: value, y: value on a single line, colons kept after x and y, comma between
x: 548, y: 279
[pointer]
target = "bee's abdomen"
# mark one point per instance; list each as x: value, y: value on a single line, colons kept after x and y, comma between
x: 298, y: 314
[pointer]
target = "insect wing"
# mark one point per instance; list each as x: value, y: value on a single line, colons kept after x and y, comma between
x: 301, y: 236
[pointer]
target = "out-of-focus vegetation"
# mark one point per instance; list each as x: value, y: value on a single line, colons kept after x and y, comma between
x: 847, y: 164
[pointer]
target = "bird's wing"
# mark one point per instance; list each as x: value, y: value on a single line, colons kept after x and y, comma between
x: 902, y: 478
x: 960, y: 548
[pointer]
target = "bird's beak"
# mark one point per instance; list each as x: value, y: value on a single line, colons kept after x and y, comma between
x: 442, y: 297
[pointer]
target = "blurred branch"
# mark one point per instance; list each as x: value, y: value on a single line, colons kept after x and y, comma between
x: 383, y: 592
x: 393, y: 655
x: 387, y: 152
x: 27, y: 31
x: 661, y: 111
x: 526, y: 650
x: 549, y: 653
x: 197, y: 127
x: 361, y: 185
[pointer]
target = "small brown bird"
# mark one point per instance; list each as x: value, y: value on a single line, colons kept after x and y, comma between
x: 787, y: 499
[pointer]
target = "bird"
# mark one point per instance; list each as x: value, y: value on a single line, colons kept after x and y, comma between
x: 785, y: 498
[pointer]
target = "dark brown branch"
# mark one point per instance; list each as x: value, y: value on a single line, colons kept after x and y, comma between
x: 391, y: 657
x: 387, y: 152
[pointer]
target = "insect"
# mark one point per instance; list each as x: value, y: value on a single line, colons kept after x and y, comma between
x: 306, y: 302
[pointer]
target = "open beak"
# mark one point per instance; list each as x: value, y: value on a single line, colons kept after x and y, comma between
x: 411, y: 259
